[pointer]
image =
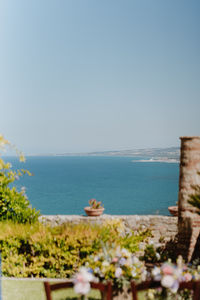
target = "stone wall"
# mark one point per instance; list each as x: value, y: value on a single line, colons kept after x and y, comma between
x: 161, y: 226
x: 188, y: 220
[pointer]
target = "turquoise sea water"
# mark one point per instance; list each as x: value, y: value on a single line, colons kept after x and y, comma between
x: 63, y: 185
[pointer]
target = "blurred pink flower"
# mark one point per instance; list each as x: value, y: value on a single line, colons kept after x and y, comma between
x: 187, y: 277
x: 167, y: 269
x: 115, y: 259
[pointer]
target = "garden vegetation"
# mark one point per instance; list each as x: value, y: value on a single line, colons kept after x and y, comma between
x: 14, y: 204
x: 37, y: 250
x: 32, y: 249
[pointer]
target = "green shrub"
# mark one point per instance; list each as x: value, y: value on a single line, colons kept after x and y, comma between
x: 132, y: 241
x: 36, y: 250
x: 14, y: 204
x: 194, y: 198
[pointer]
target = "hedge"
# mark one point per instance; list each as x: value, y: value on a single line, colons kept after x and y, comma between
x: 39, y: 250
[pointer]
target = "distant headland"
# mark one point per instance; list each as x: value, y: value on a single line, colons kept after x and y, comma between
x: 170, y: 154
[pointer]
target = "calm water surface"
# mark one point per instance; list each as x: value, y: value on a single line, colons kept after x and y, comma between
x: 63, y: 185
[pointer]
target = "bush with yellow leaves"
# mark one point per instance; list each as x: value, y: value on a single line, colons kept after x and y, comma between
x: 14, y: 204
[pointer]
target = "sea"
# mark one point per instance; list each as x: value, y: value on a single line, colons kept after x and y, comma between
x: 124, y: 185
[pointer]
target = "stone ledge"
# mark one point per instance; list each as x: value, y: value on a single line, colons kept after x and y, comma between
x: 59, y: 219
x: 161, y: 226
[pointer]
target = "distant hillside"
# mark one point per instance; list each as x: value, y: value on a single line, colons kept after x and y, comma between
x: 155, y: 154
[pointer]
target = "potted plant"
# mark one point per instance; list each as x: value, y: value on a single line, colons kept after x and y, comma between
x: 95, y: 209
x: 173, y: 210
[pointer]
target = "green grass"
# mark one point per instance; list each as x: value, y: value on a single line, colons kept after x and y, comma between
x: 34, y: 290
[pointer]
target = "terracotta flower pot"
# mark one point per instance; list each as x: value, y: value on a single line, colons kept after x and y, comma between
x: 93, y: 212
x: 173, y: 210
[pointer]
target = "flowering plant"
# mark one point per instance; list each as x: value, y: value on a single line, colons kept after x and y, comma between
x: 118, y: 265
x: 82, y: 281
x: 171, y: 275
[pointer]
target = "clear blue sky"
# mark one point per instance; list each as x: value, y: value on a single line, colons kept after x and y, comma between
x: 86, y: 75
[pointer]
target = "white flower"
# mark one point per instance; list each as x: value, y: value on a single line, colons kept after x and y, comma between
x: 151, y: 242
x: 144, y: 275
x: 122, y: 261
x: 82, y: 281
x: 125, y: 252
x: 156, y: 273
x: 135, y: 260
x: 118, y: 272
x: 105, y: 263
x: 167, y: 281
x: 157, y: 255
x: 128, y: 262
x: 96, y: 258
x: 118, y: 252
x: 178, y: 273
x: 82, y: 288
x: 175, y: 287
x: 151, y: 294
x: 133, y: 272
x: 196, y: 276
x: 179, y: 261
x: 97, y: 270
x: 141, y: 246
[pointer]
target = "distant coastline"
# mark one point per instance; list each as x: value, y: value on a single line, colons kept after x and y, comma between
x: 171, y: 154
x: 163, y: 160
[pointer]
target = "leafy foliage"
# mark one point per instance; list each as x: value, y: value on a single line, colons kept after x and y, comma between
x: 36, y: 250
x: 157, y: 253
x: 194, y: 199
x: 14, y: 204
x: 95, y: 204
